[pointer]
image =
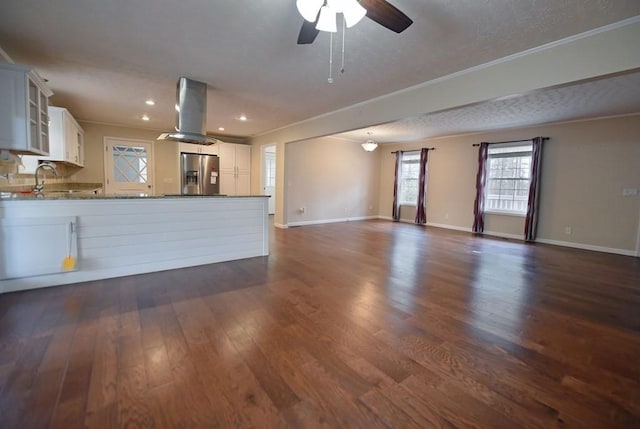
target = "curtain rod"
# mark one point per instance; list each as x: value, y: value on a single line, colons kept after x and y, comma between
x: 510, y: 141
x: 415, y: 150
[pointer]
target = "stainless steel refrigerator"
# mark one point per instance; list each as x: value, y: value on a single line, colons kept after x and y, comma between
x: 199, y: 174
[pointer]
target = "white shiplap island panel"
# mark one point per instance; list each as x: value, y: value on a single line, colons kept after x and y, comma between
x: 125, y: 236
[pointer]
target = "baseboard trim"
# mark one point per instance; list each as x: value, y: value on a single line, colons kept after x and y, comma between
x: 409, y: 221
x: 591, y: 247
x: 613, y: 250
x: 445, y: 226
x: 338, y: 220
x: 280, y: 225
x: 504, y: 235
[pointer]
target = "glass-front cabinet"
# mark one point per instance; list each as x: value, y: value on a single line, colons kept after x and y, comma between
x: 65, y: 140
x: 24, y: 119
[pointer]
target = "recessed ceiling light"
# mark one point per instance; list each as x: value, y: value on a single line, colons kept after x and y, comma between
x: 145, y: 118
x: 150, y: 103
x: 242, y: 118
x: 220, y: 128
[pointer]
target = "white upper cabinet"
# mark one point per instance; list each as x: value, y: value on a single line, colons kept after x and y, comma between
x: 67, y: 138
x: 235, y: 169
x: 24, y: 119
x: 198, y: 148
x: 66, y: 142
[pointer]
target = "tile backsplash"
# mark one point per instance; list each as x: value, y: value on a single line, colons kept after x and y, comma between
x: 28, y: 180
x: 8, y: 163
x: 9, y: 176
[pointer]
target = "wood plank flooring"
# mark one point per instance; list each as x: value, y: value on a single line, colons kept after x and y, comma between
x: 364, y: 324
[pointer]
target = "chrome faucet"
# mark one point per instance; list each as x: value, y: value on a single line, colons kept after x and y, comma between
x: 45, y: 165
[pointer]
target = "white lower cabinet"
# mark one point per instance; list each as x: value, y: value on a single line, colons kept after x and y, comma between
x: 235, y: 169
x: 36, y: 246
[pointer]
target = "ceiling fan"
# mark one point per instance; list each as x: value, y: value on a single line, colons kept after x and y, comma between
x: 320, y: 15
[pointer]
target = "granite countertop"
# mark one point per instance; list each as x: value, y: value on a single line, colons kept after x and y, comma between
x: 54, y: 187
x: 8, y: 196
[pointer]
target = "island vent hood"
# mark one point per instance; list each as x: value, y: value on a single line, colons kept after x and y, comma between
x: 191, y: 114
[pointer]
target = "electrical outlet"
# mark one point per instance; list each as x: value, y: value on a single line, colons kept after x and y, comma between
x: 301, y: 210
x: 567, y: 230
x: 446, y: 215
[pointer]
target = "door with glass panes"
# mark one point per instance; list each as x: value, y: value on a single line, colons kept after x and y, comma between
x: 128, y: 166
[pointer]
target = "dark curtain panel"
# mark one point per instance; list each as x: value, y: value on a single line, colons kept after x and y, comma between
x: 421, y: 209
x: 481, y: 183
x: 396, y: 183
x: 531, y: 221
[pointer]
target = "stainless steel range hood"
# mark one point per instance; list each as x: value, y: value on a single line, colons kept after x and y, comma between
x: 191, y: 114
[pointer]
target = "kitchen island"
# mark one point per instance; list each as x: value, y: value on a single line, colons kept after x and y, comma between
x: 113, y: 236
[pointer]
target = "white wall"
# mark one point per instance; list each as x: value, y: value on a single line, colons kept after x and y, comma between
x: 165, y: 154
x: 611, y: 49
x: 586, y: 165
x: 332, y: 179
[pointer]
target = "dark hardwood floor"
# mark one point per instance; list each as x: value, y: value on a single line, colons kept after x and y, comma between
x: 364, y: 324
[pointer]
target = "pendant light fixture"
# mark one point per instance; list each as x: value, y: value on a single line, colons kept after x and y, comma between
x: 369, y: 145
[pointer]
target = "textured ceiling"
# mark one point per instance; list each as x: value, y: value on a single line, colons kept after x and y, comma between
x: 611, y: 96
x: 104, y: 58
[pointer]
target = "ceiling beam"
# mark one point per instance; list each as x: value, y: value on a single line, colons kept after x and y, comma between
x: 604, y: 51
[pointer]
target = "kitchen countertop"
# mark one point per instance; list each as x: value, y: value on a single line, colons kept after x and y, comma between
x: 55, y: 187
x: 55, y: 195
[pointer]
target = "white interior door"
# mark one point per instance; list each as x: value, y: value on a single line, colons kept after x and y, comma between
x: 269, y: 175
x: 128, y: 166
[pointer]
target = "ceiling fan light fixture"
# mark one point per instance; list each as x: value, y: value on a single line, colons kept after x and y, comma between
x: 369, y: 145
x: 336, y: 5
x: 327, y: 20
x: 353, y: 12
x: 309, y: 8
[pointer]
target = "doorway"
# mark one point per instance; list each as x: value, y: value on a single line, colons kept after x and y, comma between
x: 128, y: 166
x: 269, y: 175
x: 638, y: 240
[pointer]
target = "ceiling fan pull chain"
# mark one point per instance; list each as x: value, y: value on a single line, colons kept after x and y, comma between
x: 344, y: 34
x: 330, y: 79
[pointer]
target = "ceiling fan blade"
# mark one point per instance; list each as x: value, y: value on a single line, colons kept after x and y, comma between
x: 386, y: 15
x: 308, y: 33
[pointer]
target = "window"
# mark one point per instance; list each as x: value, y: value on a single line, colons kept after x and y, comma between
x: 129, y: 164
x: 508, y: 178
x: 409, y: 174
